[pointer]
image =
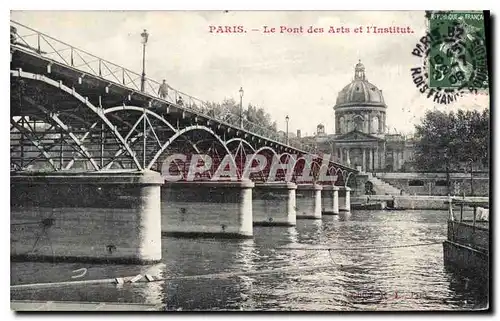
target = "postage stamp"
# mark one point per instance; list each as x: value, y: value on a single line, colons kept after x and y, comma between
x: 451, y: 56
x: 457, y: 57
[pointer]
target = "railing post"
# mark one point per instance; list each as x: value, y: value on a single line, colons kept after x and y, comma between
x: 22, y: 142
x: 61, y: 153
x: 100, y: 72
x: 144, y: 140
x: 123, y: 75
x: 102, y: 144
x: 474, y: 218
x: 72, y: 57
x: 450, y: 208
x: 38, y: 40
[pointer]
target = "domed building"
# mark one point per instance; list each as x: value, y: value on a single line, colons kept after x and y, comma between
x: 360, y: 106
x: 361, y: 138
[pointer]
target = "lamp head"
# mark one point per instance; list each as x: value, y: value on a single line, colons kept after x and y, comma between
x: 144, y: 36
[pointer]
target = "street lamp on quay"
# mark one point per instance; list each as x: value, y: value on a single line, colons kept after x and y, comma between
x: 144, y: 40
x: 241, y: 107
x: 286, y: 137
x: 447, y: 167
x: 471, y: 179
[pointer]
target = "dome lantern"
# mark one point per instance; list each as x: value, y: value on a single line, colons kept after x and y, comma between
x: 359, y: 71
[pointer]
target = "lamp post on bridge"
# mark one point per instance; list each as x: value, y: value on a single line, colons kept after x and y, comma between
x: 144, y: 36
x: 286, y: 137
x: 241, y: 107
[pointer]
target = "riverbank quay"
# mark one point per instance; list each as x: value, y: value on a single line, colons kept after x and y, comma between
x: 413, y: 202
x: 28, y: 305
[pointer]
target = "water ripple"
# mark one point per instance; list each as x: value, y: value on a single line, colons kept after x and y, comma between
x: 411, y: 278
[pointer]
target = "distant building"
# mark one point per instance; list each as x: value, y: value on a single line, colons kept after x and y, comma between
x: 361, y: 137
x: 320, y: 130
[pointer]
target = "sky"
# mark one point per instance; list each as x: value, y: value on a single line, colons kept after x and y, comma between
x: 294, y: 74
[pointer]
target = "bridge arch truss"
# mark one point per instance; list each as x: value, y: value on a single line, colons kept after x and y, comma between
x: 59, y: 125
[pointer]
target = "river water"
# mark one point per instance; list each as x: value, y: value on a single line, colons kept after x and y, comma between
x: 362, y: 271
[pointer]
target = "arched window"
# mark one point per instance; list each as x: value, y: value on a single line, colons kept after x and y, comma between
x: 375, y: 124
x: 341, y: 125
x: 349, y: 125
x: 358, y: 122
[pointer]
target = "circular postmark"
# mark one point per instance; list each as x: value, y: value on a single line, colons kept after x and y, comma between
x: 452, y: 56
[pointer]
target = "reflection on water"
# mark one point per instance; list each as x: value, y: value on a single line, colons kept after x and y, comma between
x: 358, y: 274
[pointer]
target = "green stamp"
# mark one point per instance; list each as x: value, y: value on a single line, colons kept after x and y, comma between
x: 457, y: 55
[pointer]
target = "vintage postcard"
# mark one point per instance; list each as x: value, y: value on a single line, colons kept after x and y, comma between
x: 250, y: 160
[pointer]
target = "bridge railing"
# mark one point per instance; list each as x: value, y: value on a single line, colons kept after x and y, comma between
x: 66, y: 54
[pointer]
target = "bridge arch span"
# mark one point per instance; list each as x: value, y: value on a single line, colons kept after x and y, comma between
x: 240, y: 140
x: 184, y: 131
x: 347, y: 178
x: 141, y: 110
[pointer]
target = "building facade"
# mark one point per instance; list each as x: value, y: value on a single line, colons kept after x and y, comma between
x: 361, y: 137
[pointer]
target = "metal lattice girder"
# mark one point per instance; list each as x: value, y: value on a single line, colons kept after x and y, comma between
x: 82, y: 140
x: 183, y: 132
x: 65, y: 128
x: 269, y: 155
x: 35, y: 141
x: 140, y: 122
x: 98, y: 112
x: 142, y: 127
x: 37, y: 137
x: 241, y: 150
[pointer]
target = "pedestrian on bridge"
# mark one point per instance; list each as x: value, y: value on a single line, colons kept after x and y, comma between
x: 13, y: 34
x: 180, y: 102
x: 163, y: 90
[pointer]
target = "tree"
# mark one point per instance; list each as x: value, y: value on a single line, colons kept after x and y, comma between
x: 450, y: 141
x: 229, y: 111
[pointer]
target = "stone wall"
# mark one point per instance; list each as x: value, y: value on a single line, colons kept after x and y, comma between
x: 435, y: 183
x: 410, y: 202
x: 357, y: 184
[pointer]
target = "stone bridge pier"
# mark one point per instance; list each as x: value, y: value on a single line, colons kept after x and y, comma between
x: 344, y: 199
x: 207, y: 209
x: 274, y: 204
x: 90, y: 216
x: 309, y: 201
x: 330, y: 200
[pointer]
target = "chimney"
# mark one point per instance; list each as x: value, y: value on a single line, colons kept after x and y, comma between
x: 298, y: 133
